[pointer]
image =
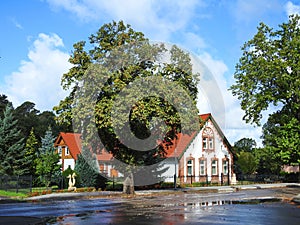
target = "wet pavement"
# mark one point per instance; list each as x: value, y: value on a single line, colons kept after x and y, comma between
x: 259, y: 206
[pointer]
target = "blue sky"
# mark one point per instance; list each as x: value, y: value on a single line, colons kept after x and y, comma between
x: 37, y: 37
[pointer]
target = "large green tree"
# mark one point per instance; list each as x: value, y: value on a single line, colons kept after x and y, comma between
x: 116, y: 59
x: 11, y: 145
x: 268, y: 75
x: 27, y: 116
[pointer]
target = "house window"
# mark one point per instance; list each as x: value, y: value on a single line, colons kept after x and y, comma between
x: 214, y: 167
x: 67, y: 150
x: 210, y: 143
x: 208, y: 139
x: 205, y: 142
x: 225, y: 167
x: 202, y: 168
x: 190, y: 167
x: 59, y: 150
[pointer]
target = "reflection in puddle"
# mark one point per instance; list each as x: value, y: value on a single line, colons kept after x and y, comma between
x: 176, y: 213
x: 231, y: 202
x: 208, y: 208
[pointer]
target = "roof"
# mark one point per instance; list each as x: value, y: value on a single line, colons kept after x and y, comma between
x: 103, y: 155
x: 205, y: 117
x: 179, y: 145
x: 73, y: 141
x: 183, y: 141
x: 174, y: 149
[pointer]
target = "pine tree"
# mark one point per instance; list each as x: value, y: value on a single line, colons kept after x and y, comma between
x: 87, y: 169
x: 47, y: 162
x: 11, y: 145
x: 31, y: 148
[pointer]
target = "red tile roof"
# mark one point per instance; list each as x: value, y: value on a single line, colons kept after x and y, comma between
x: 176, y: 149
x: 182, y: 142
x: 179, y: 145
x: 73, y: 141
x: 204, y: 117
x: 103, y: 155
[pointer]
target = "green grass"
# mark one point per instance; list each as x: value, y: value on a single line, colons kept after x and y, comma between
x: 12, y: 194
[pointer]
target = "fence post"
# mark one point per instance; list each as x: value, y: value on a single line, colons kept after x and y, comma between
x: 228, y: 178
x: 30, y: 187
x: 113, y: 177
x: 17, y: 185
x: 221, y: 179
x: 6, y: 182
x: 175, y: 181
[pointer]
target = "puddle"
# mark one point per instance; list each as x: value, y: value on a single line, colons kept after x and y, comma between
x: 213, y: 208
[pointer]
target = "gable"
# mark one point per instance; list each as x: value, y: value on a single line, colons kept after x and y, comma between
x: 183, y: 141
x: 74, y: 143
x: 71, y: 140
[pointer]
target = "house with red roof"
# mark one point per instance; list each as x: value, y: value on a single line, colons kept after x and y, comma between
x: 69, y: 145
x: 203, y: 156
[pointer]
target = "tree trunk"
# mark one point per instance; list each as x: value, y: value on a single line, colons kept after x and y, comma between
x: 128, y: 185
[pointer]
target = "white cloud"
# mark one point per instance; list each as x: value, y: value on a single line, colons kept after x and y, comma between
x: 292, y: 8
x: 157, y: 19
x: 246, y: 11
x: 16, y: 23
x: 38, y: 78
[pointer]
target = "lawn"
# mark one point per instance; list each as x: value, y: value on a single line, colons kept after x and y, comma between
x: 12, y: 194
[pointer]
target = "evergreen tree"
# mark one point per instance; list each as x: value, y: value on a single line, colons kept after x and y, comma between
x: 11, y: 145
x: 86, y: 167
x: 47, y: 162
x: 3, y: 103
x: 31, y: 148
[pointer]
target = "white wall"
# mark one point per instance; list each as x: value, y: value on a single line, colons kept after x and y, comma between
x: 69, y: 162
x: 195, y: 151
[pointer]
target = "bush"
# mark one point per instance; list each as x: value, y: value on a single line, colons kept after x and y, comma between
x: 290, y: 177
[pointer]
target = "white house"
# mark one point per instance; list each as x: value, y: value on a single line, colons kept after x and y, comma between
x: 204, y: 156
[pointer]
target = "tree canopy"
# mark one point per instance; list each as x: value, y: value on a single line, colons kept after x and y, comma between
x: 267, y: 76
x: 244, y: 144
x: 119, y: 83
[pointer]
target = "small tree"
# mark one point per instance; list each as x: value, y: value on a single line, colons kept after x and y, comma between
x: 246, y: 162
x: 86, y: 167
x: 31, y: 150
x: 47, y: 161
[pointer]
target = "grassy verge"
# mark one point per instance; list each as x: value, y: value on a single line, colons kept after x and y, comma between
x: 12, y: 194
